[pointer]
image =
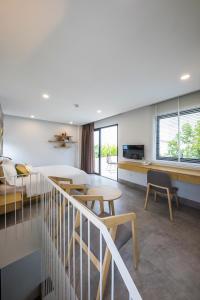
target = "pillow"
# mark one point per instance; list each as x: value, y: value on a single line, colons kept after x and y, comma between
x: 29, y: 168
x: 21, y: 169
x: 10, y: 172
x: 1, y: 174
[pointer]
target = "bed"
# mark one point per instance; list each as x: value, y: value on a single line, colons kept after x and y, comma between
x: 78, y: 176
x: 31, y: 184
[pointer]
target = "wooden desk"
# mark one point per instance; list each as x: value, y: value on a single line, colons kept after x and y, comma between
x: 176, y: 173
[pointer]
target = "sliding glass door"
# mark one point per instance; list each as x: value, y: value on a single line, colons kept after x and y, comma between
x: 106, y: 151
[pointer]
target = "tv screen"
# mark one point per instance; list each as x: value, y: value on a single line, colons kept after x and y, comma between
x: 133, y: 151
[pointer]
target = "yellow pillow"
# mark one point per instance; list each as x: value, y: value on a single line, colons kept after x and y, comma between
x: 21, y: 169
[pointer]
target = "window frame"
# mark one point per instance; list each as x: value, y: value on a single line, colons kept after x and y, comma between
x: 170, y: 115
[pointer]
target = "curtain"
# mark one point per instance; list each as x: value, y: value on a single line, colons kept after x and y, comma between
x: 87, y: 148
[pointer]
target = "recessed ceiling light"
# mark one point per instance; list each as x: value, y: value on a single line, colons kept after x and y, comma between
x: 185, y: 76
x: 71, y: 122
x: 99, y: 111
x: 45, y: 96
x: 32, y: 116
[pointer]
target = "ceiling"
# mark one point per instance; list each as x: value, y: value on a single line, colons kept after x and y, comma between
x: 109, y: 55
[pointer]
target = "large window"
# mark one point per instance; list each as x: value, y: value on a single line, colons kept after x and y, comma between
x: 178, y: 136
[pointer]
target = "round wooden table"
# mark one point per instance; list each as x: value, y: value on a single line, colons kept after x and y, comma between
x: 109, y: 194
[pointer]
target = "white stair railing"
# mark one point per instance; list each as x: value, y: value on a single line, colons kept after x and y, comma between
x: 40, y: 208
x: 75, y: 279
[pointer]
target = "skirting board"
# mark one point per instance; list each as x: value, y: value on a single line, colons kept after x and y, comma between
x: 186, y: 202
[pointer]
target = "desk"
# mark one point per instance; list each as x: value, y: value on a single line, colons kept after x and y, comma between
x: 176, y: 173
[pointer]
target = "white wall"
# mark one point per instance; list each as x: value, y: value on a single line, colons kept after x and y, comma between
x: 134, y: 127
x: 138, y: 127
x: 26, y: 141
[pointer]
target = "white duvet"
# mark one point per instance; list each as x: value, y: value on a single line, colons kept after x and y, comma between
x: 32, y: 183
x: 78, y: 176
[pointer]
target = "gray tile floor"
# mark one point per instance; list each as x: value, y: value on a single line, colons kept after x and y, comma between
x: 169, y: 265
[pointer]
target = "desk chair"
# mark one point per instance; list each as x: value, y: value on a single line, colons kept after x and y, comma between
x: 118, y: 231
x: 160, y: 183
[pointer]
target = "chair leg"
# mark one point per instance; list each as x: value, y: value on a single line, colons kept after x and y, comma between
x: 170, y: 205
x: 112, y: 208
x: 106, y: 264
x: 92, y: 205
x: 155, y: 196
x: 147, y: 196
x: 177, y: 200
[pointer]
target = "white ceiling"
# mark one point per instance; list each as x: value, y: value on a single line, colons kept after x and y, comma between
x: 113, y: 55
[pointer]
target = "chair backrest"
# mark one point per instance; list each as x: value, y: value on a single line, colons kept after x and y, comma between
x: 108, y: 159
x: 159, y: 178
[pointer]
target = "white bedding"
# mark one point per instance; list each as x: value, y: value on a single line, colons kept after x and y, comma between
x: 78, y: 176
x: 33, y: 187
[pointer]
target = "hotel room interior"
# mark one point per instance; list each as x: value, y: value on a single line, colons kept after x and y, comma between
x: 100, y: 149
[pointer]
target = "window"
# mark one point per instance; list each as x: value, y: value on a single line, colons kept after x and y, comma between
x: 178, y: 136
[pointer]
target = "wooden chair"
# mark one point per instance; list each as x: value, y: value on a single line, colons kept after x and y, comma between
x: 112, y: 223
x: 67, y: 184
x: 59, y: 180
x: 160, y: 183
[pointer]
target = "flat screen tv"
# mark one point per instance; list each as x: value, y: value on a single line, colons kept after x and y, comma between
x: 133, y: 151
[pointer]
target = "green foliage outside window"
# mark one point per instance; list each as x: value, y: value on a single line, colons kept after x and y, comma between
x: 189, y: 142
x: 106, y: 150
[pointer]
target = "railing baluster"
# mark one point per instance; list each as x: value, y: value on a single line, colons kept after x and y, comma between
x: 38, y: 191
x: 5, y: 199
x: 48, y: 248
x: 57, y: 213
x: 74, y: 261
x: 51, y: 238
x: 43, y: 234
x: 100, y: 262
x: 68, y: 244
x: 45, y: 244
x: 88, y: 260
x: 60, y: 221
x: 81, y: 259
x: 30, y: 196
x: 22, y: 199
x: 47, y: 239
x: 55, y: 232
x: 15, y: 201
x: 112, y: 280
x: 64, y: 285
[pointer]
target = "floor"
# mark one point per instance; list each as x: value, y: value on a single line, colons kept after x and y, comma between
x: 107, y: 170
x: 169, y: 265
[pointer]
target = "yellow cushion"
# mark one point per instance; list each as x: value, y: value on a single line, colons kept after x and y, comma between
x: 21, y: 169
x: 1, y: 174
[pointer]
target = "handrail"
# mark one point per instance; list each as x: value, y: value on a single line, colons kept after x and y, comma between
x: 133, y: 292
